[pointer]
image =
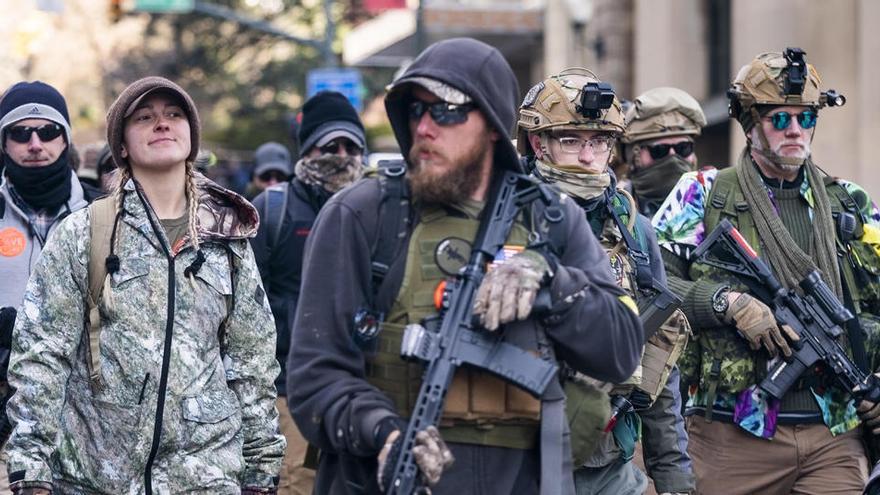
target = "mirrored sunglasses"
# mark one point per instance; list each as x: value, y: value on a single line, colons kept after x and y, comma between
x: 806, y: 119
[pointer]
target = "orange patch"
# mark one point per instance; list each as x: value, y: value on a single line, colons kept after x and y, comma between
x: 12, y: 242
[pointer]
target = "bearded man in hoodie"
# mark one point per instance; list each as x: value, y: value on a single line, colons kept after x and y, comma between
x: 348, y: 388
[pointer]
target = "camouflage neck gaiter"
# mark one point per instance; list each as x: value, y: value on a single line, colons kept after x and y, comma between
x: 329, y: 172
x: 574, y: 180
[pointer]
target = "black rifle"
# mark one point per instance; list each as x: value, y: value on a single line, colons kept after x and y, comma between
x: 817, y: 316
x: 459, y: 339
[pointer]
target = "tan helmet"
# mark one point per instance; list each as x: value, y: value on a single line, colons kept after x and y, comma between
x: 663, y: 112
x: 775, y: 78
x: 573, y: 99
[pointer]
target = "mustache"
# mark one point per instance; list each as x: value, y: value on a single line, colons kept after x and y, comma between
x: 419, y: 148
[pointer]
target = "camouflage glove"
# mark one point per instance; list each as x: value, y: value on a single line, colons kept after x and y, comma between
x: 756, y: 323
x: 869, y: 413
x: 508, y: 291
x: 430, y: 452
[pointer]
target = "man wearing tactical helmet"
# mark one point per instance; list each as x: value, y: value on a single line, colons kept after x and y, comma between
x: 658, y: 145
x: 799, y: 219
x: 568, y: 126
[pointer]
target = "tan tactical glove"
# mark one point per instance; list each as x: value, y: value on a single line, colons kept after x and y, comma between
x: 756, y: 323
x: 430, y: 453
x: 508, y: 290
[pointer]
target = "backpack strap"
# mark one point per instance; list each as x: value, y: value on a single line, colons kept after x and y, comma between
x: 393, y: 220
x: 102, y: 216
x: 274, y: 210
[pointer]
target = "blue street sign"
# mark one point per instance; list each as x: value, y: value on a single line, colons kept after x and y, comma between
x: 346, y: 81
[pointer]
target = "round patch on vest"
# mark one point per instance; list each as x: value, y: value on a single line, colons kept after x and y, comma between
x: 452, y: 254
x: 12, y: 242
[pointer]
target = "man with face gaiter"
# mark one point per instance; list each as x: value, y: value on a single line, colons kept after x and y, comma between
x: 331, y: 141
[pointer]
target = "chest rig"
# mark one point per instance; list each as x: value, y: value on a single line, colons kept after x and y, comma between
x: 475, y: 398
x: 726, y: 364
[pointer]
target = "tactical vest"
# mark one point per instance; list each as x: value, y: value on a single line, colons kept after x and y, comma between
x: 725, y: 362
x: 662, y: 349
x: 480, y: 408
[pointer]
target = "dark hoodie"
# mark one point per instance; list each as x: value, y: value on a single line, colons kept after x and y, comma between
x: 477, y: 70
x: 334, y: 405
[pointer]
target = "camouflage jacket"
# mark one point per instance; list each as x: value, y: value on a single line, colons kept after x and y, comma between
x: 175, y: 413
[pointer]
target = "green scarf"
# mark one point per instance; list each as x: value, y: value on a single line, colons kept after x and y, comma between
x: 788, y: 261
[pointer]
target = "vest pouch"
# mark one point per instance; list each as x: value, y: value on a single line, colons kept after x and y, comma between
x: 867, y: 270
x: 626, y: 434
x: 662, y: 352
x: 588, y: 410
x: 736, y: 371
x: 386, y: 370
x: 479, y: 396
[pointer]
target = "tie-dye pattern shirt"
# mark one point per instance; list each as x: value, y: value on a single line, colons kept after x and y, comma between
x: 680, y: 229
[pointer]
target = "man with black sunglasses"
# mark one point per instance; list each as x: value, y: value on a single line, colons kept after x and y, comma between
x: 348, y: 387
x: 658, y: 145
x: 38, y: 190
x: 799, y: 220
x: 331, y: 143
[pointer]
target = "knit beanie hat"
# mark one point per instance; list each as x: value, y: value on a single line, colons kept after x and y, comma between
x: 326, y: 116
x: 128, y: 101
x: 33, y: 100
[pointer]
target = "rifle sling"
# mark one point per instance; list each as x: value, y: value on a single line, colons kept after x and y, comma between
x: 854, y: 331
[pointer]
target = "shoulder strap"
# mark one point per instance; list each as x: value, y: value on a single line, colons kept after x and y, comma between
x: 637, y: 250
x: 274, y: 210
x: 726, y: 198
x: 102, y: 215
x: 393, y: 217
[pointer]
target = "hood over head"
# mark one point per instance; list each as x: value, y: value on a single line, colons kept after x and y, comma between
x: 473, y: 68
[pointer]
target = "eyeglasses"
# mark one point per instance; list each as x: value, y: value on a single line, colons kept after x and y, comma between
x: 573, y: 145
x: 806, y: 119
x: 332, y: 147
x: 443, y: 113
x: 277, y: 175
x: 46, y: 132
x: 683, y: 149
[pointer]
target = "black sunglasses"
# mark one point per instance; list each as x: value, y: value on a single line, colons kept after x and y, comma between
x: 273, y: 174
x: 332, y: 147
x: 442, y: 112
x: 46, y: 132
x: 683, y: 149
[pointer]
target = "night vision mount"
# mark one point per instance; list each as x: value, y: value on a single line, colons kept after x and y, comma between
x: 595, y: 97
x: 796, y: 77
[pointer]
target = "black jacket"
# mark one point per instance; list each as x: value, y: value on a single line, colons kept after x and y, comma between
x: 281, y: 264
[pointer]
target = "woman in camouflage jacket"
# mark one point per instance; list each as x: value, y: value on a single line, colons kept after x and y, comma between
x: 182, y: 396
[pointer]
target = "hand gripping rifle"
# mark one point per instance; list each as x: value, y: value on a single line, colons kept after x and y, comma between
x: 817, y: 316
x: 459, y: 340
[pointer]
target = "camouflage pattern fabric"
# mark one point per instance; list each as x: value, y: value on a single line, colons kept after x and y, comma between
x: 219, y: 428
x: 329, y: 172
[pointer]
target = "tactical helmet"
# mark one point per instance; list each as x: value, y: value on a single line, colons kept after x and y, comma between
x: 775, y: 78
x: 663, y: 112
x: 573, y: 99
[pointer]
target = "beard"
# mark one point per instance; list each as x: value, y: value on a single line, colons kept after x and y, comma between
x: 449, y: 186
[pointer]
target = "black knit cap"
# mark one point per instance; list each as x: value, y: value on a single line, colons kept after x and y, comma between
x: 325, y: 112
x: 35, y: 99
